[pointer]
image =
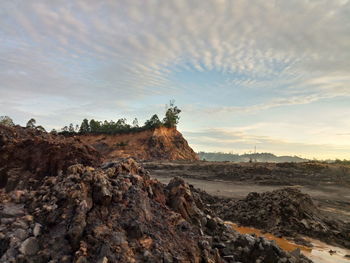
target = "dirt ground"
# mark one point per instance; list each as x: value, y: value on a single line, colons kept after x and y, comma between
x: 327, y: 184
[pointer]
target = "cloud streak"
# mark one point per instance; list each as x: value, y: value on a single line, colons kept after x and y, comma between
x: 248, y: 56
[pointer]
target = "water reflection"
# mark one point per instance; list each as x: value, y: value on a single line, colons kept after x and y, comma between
x: 319, y: 253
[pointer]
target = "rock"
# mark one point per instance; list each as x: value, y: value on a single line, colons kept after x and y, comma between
x: 296, y: 253
x: 37, y: 229
x: 167, y: 258
x: 11, y: 210
x: 4, y: 244
x: 29, y: 246
x: 21, y: 234
x: 135, y: 230
x: 103, y: 260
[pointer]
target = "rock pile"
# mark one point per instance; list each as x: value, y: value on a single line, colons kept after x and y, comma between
x: 119, y: 214
x: 284, y: 212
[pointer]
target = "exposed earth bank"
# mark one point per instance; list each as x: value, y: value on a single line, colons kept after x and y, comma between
x: 156, y: 144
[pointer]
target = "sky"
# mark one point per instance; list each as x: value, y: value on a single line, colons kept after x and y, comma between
x: 271, y: 74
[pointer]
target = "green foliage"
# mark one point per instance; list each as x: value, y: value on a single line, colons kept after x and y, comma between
x: 121, y: 126
x: 31, y: 123
x: 95, y: 126
x: 172, y: 117
x: 84, y: 127
x: 71, y: 128
x: 6, y: 121
x: 153, y: 122
x: 135, y: 123
x: 40, y: 128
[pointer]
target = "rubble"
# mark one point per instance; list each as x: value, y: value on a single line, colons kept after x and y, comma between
x: 95, y: 215
x: 285, y: 212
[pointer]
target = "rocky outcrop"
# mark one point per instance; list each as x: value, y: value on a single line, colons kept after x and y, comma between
x: 157, y: 144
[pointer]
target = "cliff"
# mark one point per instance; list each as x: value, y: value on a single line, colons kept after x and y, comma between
x: 158, y: 144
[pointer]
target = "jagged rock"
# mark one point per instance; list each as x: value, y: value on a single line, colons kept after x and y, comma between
x: 37, y: 229
x: 11, y: 210
x: 29, y: 246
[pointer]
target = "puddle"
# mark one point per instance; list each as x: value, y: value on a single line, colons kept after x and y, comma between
x: 281, y: 242
x: 319, y: 253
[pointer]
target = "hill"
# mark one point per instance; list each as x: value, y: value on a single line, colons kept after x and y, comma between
x: 259, y: 157
x: 161, y: 143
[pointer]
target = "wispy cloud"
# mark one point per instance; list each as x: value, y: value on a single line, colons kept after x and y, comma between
x: 102, y: 54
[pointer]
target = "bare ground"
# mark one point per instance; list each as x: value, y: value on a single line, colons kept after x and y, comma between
x: 327, y: 184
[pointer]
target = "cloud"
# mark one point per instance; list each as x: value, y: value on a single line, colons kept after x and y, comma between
x: 94, y: 56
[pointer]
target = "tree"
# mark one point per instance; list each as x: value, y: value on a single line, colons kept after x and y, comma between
x: 153, y: 122
x: 84, y: 126
x: 40, y: 128
x: 71, y: 128
x: 95, y: 126
x: 135, y: 123
x: 6, y: 121
x: 31, y: 123
x: 172, y: 117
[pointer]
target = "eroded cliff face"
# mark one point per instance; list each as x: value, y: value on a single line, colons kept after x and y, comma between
x: 158, y: 144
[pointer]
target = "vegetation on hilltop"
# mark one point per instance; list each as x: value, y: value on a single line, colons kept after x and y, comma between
x: 170, y: 120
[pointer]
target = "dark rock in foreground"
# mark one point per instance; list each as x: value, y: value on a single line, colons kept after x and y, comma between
x: 120, y: 214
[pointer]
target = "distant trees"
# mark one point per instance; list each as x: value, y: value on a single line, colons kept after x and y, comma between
x: 6, y: 121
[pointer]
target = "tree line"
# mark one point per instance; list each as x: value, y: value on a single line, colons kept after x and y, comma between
x: 92, y: 126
